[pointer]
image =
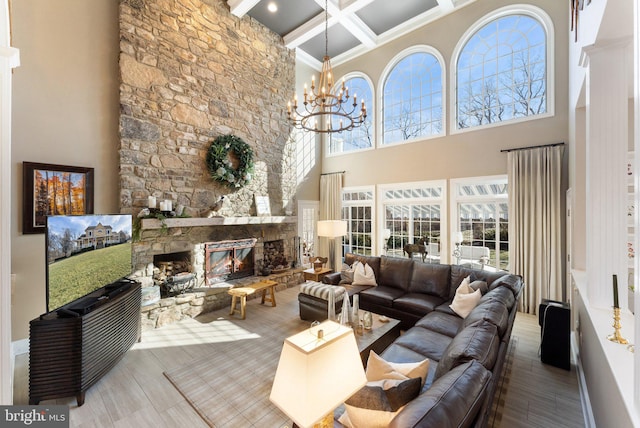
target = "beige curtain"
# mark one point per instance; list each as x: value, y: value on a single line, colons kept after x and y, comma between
x: 330, y: 209
x: 535, y: 216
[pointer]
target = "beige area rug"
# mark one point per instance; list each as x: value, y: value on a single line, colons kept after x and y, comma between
x: 230, y: 386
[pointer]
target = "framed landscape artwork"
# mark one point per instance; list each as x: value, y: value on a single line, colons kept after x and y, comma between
x: 54, y: 190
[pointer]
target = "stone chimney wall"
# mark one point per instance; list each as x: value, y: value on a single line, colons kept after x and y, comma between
x: 190, y: 71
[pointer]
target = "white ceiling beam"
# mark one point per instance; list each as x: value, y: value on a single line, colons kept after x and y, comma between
x: 240, y: 8
x: 446, y: 5
x: 306, y: 31
x: 359, y: 30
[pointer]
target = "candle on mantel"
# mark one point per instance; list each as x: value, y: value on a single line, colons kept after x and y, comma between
x: 615, y: 292
x: 152, y: 201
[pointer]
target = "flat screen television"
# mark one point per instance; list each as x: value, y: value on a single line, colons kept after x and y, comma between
x: 85, y: 253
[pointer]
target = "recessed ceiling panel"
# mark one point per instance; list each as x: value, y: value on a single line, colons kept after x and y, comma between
x: 290, y: 14
x: 340, y: 40
x: 383, y: 15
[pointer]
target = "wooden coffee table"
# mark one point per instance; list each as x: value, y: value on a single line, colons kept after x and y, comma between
x: 381, y: 335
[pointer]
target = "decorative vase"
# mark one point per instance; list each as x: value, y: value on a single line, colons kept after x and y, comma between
x: 331, y: 305
x: 345, y: 312
x: 367, y: 320
x: 355, y: 316
x: 317, y: 266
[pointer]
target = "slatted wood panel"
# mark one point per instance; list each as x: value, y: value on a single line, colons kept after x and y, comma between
x: 69, y: 355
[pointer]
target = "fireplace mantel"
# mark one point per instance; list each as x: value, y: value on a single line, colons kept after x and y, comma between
x: 152, y: 223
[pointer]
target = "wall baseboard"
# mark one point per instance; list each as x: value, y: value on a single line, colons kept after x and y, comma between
x: 589, y: 421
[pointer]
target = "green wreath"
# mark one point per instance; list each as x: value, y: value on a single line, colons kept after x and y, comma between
x: 219, y: 162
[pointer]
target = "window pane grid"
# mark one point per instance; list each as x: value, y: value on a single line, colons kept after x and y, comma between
x: 507, y: 54
x: 409, y: 99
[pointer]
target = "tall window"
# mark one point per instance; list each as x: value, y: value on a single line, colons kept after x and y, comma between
x: 414, y: 214
x: 357, y: 209
x: 305, y: 153
x: 501, y: 72
x: 412, y: 98
x: 481, y: 204
x: 361, y: 137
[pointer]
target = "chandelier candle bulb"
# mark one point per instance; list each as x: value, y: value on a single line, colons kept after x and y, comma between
x: 615, y: 292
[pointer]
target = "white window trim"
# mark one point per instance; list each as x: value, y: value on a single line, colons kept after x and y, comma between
x: 517, y: 9
x: 380, y: 94
x: 366, y: 77
x: 382, y: 201
x: 368, y: 203
x: 455, y: 199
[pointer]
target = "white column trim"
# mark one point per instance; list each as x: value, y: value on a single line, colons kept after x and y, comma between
x: 607, y: 189
x: 9, y: 59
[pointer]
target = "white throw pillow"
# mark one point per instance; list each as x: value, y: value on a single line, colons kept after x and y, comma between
x: 363, y: 274
x: 465, y: 299
x: 379, y: 369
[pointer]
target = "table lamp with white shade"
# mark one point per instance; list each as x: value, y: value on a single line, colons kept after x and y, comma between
x: 332, y: 229
x: 318, y: 370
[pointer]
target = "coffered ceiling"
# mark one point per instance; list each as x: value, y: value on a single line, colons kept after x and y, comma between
x: 355, y: 26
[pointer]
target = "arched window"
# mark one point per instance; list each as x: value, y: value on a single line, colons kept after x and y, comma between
x: 362, y: 137
x: 501, y: 70
x: 412, y: 96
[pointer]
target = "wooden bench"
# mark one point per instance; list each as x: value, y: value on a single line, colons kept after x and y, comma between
x: 243, y: 292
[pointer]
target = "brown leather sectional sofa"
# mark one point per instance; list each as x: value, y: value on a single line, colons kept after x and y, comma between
x: 467, y: 355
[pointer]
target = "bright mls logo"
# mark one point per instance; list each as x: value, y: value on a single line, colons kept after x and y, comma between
x: 34, y: 416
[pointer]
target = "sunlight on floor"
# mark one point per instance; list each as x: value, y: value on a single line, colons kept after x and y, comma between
x: 191, y: 332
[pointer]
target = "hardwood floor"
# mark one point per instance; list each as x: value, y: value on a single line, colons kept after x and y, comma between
x: 137, y: 394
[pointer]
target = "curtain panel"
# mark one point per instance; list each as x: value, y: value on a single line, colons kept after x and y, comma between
x: 330, y: 209
x: 535, y: 223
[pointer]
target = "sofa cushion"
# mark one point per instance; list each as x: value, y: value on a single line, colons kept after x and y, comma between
x: 395, y: 272
x: 491, y: 311
x: 381, y: 295
x: 346, y: 274
x: 377, y: 403
x: 428, y: 278
x: 512, y: 282
x: 481, y: 285
x: 452, y: 401
x: 478, y: 342
x: 440, y: 322
x: 363, y: 274
x: 427, y: 343
x: 500, y: 294
x: 465, y: 299
x: 445, y: 308
x: 458, y: 273
x: 373, y: 261
x: 416, y: 303
x: 378, y: 368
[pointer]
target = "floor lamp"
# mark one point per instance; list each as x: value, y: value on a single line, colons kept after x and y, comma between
x: 332, y: 229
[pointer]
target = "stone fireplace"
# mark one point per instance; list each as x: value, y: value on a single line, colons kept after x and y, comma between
x: 195, y: 77
x: 229, y: 260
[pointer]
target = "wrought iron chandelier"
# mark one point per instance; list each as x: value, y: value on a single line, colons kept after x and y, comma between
x: 323, y: 111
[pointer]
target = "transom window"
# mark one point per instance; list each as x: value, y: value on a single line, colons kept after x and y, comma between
x: 412, y: 99
x: 361, y: 137
x: 501, y: 72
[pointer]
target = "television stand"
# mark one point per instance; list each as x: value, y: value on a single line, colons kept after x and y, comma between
x: 70, y: 351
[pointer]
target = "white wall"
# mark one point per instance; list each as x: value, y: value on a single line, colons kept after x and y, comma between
x: 65, y: 111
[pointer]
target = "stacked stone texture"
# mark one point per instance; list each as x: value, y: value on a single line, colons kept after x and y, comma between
x: 190, y: 71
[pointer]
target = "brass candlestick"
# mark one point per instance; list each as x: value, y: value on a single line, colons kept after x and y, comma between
x: 616, y: 336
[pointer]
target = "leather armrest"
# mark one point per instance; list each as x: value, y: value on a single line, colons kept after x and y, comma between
x: 332, y: 278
